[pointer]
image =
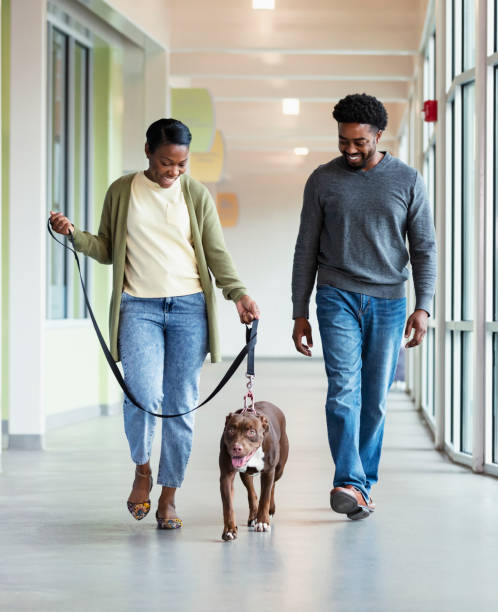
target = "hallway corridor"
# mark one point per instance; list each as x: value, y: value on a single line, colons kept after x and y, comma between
x: 68, y: 544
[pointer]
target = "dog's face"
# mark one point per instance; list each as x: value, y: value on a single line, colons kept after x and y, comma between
x: 243, y: 435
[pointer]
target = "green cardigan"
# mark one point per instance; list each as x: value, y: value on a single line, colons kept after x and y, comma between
x: 109, y: 247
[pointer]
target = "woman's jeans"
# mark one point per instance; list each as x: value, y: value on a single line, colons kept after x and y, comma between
x: 361, y: 338
x: 163, y: 343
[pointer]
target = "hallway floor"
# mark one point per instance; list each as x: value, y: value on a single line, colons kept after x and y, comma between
x: 67, y: 541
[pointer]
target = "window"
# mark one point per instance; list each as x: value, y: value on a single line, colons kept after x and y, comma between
x: 463, y: 23
x: 461, y: 246
x: 68, y: 164
x: 429, y: 173
x: 468, y: 31
x: 494, y: 313
x: 468, y: 189
x: 467, y: 262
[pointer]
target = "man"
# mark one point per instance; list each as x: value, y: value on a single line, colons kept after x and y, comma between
x: 358, y: 210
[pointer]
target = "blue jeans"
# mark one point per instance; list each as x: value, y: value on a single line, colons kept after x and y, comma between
x: 163, y: 343
x: 361, y: 336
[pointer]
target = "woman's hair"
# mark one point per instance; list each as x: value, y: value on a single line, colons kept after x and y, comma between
x: 361, y: 108
x: 167, y: 131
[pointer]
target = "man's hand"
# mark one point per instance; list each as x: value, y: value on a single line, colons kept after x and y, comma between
x: 247, y: 308
x: 302, y: 328
x: 417, y: 322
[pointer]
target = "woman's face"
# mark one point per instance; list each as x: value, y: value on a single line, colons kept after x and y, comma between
x: 166, y: 164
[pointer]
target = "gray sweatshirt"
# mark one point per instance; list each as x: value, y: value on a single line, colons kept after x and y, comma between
x: 354, y: 226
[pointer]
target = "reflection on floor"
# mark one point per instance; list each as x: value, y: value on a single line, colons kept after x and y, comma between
x: 67, y: 541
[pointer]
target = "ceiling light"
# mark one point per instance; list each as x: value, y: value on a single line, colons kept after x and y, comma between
x: 301, y: 150
x: 263, y: 4
x: 290, y: 106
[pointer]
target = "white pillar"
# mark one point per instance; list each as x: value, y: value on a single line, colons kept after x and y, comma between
x: 479, y: 407
x: 441, y: 214
x: 1, y: 415
x: 28, y: 93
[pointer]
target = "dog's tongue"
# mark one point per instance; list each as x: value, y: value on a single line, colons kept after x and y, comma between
x: 238, y: 462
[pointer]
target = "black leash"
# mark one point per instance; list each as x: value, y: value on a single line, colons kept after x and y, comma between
x: 251, y: 334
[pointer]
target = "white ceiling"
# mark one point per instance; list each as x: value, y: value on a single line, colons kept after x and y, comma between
x: 317, y: 51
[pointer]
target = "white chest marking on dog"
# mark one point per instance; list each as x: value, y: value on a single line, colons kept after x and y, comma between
x: 256, y: 461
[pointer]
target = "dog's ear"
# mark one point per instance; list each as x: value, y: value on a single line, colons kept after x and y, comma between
x: 228, y: 418
x: 264, y: 422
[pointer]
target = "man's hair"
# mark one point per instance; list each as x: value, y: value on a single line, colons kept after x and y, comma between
x: 361, y: 108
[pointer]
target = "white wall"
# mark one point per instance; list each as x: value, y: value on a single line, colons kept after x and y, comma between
x: 152, y: 17
x: 269, y: 187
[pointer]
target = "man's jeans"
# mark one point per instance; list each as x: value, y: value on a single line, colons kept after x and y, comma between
x: 361, y: 337
x: 163, y: 343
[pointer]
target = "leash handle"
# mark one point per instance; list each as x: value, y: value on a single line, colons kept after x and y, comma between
x: 248, y: 349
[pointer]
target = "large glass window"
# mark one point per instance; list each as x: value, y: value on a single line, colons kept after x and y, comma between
x: 461, y: 245
x: 494, y: 314
x: 68, y: 167
x: 429, y: 172
x: 468, y: 197
x: 468, y: 31
x: 463, y: 43
x: 467, y: 263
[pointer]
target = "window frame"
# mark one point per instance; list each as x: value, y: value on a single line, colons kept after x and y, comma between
x: 73, y: 300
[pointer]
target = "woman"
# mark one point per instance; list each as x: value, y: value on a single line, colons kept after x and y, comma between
x: 160, y: 230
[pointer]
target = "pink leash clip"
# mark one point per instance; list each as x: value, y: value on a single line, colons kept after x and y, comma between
x: 249, y: 396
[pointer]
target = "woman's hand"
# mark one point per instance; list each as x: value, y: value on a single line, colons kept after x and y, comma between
x: 60, y: 223
x: 247, y: 308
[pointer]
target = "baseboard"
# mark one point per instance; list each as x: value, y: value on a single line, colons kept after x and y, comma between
x: 111, y: 409
x: 4, y: 437
x: 26, y: 442
x: 78, y: 415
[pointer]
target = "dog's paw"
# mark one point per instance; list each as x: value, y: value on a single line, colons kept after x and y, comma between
x: 262, y: 527
x: 229, y: 535
x: 251, y: 522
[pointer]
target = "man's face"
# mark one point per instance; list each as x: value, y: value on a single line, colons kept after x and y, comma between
x: 358, y: 144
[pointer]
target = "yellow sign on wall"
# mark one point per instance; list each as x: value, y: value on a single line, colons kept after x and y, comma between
x: 194, y: 106
x: 228, y: 209
x: 208, y: 167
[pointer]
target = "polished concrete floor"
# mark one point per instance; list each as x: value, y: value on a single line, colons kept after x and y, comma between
x: 67, y: 542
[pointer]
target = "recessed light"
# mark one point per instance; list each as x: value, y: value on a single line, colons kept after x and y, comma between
x: 263, y: 4
x: 290, y: 106
x: 301, y: 150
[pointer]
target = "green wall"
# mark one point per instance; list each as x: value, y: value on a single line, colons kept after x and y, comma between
x: 107, y: 166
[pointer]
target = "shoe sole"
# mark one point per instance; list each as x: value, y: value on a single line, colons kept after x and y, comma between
x: 342, y: 503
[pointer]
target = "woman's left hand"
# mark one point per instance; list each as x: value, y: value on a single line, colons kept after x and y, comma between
x: 247, y: 308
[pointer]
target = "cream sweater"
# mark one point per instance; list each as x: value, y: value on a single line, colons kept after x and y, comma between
x: 160, y: 258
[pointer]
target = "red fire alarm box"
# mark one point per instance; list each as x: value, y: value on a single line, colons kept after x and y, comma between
x: 430, y: 111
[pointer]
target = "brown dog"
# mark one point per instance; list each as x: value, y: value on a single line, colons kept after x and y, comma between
x: 252, y: 443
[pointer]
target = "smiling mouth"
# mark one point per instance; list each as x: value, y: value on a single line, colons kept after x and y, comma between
x: 239, y: 462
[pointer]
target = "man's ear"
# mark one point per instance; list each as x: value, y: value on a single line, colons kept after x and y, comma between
x: 264, y: 422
